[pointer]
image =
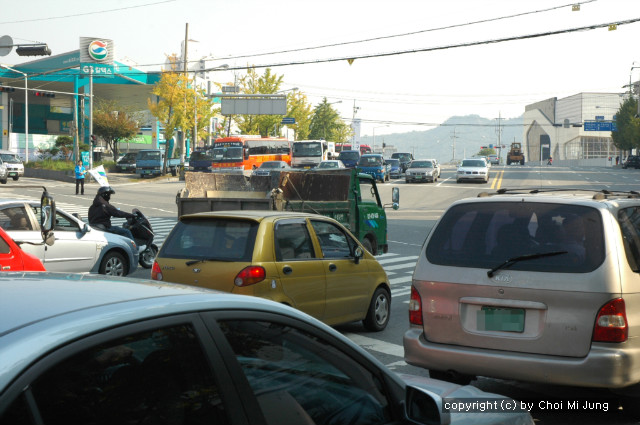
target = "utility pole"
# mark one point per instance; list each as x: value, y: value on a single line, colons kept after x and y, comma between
x: 499, y: 133
x: 454, y: 137
x: 186, y: 49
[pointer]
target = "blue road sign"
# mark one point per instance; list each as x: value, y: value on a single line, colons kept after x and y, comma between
x: 600, y: 126
x: 287, y: 120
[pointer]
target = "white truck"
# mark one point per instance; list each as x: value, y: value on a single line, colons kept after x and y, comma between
x: 309, y: 153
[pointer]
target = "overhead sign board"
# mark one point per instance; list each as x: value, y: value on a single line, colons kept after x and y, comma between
x: 96, y: 56
x: 254, y: 105
x: 600, y: 126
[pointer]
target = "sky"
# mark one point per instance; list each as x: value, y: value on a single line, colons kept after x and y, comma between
x: 422, y: 68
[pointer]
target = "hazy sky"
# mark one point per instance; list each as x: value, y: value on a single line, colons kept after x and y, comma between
x: 406, y: 91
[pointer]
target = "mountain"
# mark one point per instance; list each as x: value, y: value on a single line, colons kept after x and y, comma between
x: 471, y: 132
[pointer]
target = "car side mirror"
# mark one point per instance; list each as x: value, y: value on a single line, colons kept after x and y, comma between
x: 395, y: 197
x: 422, y: 408
x: 358, y: 253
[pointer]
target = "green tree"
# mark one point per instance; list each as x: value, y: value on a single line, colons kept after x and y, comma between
x: 486, y: 152
x: 298, y: 107
x: 252, y: 83
x: 113, y: 122
x: 628, y: 135
x: 325, y: 122
x: 342, y: 133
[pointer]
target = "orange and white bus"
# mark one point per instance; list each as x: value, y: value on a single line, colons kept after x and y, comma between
x: 243, y: 153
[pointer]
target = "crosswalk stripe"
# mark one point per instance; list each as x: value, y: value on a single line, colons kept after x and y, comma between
x: 395, y: 259
x: 410, y: 264
x: 403, y: 279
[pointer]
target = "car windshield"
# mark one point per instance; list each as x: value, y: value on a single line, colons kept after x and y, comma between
x: 370, y: 161
x: 148, y: 155
x: 473, y: 163
x: 487, y: 234
x: 328, y: 165
x: 271, y: 164
x: 10, y: 158
x: 212, y: 239
x: 307, y: 149
x: 349, y: 155
x: 224, y: 154
x: 402, y: 156
x: 393, y: 162
x: 421, y: 164
x: 201, y: 156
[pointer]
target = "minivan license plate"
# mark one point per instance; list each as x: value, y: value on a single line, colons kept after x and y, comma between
x: 501, y: 319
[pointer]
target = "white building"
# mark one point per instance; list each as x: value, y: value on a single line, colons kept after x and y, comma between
x: 576, y: 128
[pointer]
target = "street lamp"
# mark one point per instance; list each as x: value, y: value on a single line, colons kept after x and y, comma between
x: 26, y: 111
x: 374, y: 135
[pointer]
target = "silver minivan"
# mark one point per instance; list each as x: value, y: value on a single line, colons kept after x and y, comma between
x: 531, y: 287
x: 14, y: 164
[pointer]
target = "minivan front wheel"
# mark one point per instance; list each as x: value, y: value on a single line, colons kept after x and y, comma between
x: 379, y: 311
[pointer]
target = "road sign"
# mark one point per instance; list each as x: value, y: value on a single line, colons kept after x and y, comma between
x: 287, y: 120
x: 600, y: 126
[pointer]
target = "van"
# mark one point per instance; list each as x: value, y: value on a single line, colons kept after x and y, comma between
x: 349, y: 158
x: 404, y: 157
x: 531, y: 287
x: 15, y: 166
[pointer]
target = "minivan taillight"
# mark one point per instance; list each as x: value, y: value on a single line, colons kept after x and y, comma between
x: 156, y: 273
x: 611, y: 323
x: 415, y: 307
x: 250, y: 275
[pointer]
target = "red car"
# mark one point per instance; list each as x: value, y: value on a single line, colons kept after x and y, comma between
x: 13, y: 258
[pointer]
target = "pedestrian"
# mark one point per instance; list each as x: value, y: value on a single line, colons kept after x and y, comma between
x: 617, y: 159
x: 80, y: 172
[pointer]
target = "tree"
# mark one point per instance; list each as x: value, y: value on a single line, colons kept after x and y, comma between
x: 325, y: 122
x: 170, y: 109
x: 252, y: 83
x: 486, y: 151
x: 627, y: 136
x: 114, y: 122
x: 298, y: 107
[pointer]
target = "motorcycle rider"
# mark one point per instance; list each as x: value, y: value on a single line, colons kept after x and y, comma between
x: 101, y: 211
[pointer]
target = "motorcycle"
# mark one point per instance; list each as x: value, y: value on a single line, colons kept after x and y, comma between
x: 140, y: 228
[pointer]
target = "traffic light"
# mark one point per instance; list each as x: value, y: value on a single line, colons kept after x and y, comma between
x: 93, y: 139
x: 44, y: 94
x: 7, y: 89
x: 35, y: 50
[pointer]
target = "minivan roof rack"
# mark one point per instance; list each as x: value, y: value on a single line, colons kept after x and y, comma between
x: 598, y: 194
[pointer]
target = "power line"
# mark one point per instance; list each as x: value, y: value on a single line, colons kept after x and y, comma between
x: 432, y: 49
x: 86, y: 13
x: 366, y: 40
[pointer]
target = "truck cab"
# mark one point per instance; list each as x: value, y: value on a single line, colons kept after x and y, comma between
x: 374, y: 165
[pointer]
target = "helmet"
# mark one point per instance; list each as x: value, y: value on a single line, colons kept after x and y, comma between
x: 105, y: 192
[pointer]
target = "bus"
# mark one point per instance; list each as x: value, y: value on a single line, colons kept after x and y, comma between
x: 244, y: 153
x: 347, y: 147
x: 309, y: 153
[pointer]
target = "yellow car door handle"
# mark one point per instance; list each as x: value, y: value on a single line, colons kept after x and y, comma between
x: 287, y: 270
x: 333, y: 267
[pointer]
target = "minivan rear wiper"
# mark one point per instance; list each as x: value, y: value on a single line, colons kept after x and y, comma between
x: 512, y: 261
x: 202, y: 260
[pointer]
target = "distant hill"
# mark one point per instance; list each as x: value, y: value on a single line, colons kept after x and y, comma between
x: 471, y: 132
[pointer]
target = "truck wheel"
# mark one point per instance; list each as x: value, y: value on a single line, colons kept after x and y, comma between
x: 113, y: 264
x: 522, y: 162
x: 174, y: 172
x: 15, y: 178
x: 141, y: 176
x: 368, y: 245
x: 379, y: 311
x: 3, y: 181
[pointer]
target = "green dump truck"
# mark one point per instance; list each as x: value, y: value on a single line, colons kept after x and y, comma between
x: 344, y: 195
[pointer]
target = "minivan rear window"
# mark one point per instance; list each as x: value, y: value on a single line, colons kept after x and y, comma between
x: 485, y: 235
x: 211, y: 239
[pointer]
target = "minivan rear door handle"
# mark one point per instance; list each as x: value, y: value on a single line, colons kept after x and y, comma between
x: 333, y: 267
x: 287, y: 270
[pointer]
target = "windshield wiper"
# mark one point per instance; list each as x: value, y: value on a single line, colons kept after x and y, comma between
x: 512, y: 261
x: 202, y: 260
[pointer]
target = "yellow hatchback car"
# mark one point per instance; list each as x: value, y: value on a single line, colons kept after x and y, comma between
x: 308, y: 261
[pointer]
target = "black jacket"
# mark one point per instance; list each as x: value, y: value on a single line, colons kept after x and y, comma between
x: 101, y: 211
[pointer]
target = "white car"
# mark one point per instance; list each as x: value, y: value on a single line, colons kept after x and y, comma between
x: 78, y: 248
x: 474, y: 169
x: 330, y: 164
x: 14, y: 165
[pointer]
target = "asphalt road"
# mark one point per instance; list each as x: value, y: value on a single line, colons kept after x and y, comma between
x: 420, y: 207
